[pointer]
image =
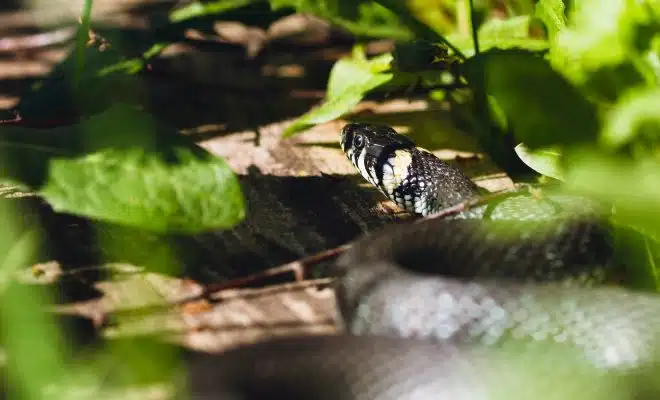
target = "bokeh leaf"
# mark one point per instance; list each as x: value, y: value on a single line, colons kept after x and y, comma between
x: 631, y: 185
x: 552, y: 13
x: 632, y: 116
x: 605, y: 46
x: 124, y: 167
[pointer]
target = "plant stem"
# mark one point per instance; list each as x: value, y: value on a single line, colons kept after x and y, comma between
x: 473, y: 26
x: 81, y: 40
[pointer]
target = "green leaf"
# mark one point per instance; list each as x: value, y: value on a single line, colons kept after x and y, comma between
x: 350, y: 79
x: 543, y: 108
x: 544, y: 161
x: 198, y: 9
x: 438, y: 15
x: 500, y: 34
x: 502, y: 29
x: 552, y: 13
x: 409, y: 14
x: 532, y: 45
x: 367, y: 18
x: 124, y: 167
x: 631, y: 116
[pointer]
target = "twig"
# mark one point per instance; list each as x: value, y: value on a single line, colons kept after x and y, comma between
x: 476, y: 201
x: 16, y: 120
x: 298, y: 268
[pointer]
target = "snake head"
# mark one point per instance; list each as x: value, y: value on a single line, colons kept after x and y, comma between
x: 413, y: 178
x: 373, y: 139
x: 370, y: 146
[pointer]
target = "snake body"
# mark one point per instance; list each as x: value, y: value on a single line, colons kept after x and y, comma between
x: 497, y: 302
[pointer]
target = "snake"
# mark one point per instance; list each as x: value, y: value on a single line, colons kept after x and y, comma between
x: 509, y: 299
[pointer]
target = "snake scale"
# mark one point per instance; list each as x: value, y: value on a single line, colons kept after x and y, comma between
x: 507, y: 300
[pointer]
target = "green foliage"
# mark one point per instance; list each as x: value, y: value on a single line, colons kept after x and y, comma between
x: 552, y: 13
x: 123, y: 166
x: 198, y: 9
x: 502, y: 34
x: 606, y: 47
x: 350, y: 79
x: 366, y: 18
x: 634, y: 119
x: 503, y: 29
x: 32, y: 343
x: 541, y: 106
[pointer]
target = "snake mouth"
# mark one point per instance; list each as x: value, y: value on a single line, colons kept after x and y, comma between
x: 346, y: 137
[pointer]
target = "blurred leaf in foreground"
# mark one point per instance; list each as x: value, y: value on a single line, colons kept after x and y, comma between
x: 552, y: 13
x: 350, y: 79
x: 32, y: 345
x: 604, y: 45
x: 634, y: 116
x: 631, y: 186
x: 123, y: 166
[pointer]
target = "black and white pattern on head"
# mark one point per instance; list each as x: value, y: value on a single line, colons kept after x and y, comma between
x: 413, y: 178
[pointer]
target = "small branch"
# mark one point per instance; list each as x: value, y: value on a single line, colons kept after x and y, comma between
x: 298, y: 268
x: 477, y: 201
x: 13, y: 121
x: 18, y: 120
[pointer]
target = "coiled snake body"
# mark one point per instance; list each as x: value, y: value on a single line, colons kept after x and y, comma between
x: 495, y: 302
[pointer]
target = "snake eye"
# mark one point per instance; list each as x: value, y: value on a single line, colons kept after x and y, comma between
x: 358, y: 141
